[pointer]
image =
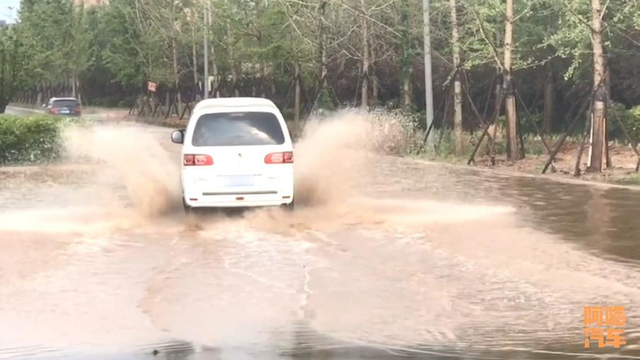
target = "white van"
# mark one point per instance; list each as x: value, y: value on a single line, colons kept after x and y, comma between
x: 237, y: 152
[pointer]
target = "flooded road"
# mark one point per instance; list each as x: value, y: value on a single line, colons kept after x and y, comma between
x: 384, y: 258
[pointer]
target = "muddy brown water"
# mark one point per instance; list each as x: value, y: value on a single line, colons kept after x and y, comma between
x: 399, y: 259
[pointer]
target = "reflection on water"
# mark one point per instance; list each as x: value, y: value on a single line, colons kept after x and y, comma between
x: 602, y: 219
x: 438, y: 262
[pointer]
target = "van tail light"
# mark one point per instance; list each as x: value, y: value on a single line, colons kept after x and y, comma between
x: 197, y: 160
x: 279, y: 158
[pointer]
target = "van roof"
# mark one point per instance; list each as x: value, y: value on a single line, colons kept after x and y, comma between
x: 234, y: 102
x: 63, y: 98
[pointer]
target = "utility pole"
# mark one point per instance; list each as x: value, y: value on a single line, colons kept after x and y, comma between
x: 206, y: 50
x: 428, y: 80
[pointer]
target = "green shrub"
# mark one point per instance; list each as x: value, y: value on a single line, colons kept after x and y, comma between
x: 529, y: 123
x: 324, y: 100
x: 632, y: 123
x: 534, y: 146
x: 629, y: 180
x: 33, y: 139
x: 107, y: 101
x: 127, y: 102
x: 501, y: 147
x: 630, y: 118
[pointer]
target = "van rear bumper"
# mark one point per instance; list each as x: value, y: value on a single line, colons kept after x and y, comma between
x: 226, y: 200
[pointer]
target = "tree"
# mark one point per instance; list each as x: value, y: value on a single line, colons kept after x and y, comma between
x: 130, y: 52
x: 302, y: 53
x: 513, y: 150
x: 591, y: 36
x: 598, y: 121
x: 80, y: 47
x: 406, y: 51
x: 457, y: 86
x: 16, y: 54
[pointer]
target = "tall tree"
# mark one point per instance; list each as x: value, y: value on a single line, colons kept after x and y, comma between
x: 16, y: 63
x: 406, y: 52
x: 457, y: 86
x: 366, y: 54
x: 598, y: 116
x: 513, y: 150
x: 81, y: 48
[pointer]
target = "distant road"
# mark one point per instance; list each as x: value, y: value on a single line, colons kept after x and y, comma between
x: 98, y: 115
x: 13, y: 110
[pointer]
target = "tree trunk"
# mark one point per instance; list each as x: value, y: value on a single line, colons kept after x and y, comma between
x: 216, y: 76
x: 407, y: 93
x: 296, y: 114
x: 74, y: 89
x: 214, y: 67
x: 607, y: 86
x: 457, y: 86
x: 260, y: 87
x: 365, y: 59
x: 549, y: 99
x: 232, y: 60
x: 375, y: 91
x: 607, y: 77
x: 39, y: 100
x: 324, y: 72
x: 234, y: 80
x: 78, y: 90
x: 498, y: 83
x: 263, y: 80
x: 364, y: 100
x: 194, y: 54
x: 375, y: 83
x: 3, y: 67
x: 176, y: 73
x: 513, y: 151
x: 274, y: 87
x: 405, y: 61
x: 321, y: 68
x: 598, y: 120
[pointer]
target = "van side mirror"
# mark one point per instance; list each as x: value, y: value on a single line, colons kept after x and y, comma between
x: 177, y: 136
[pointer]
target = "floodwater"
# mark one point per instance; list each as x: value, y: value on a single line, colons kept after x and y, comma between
x: 383, y: 258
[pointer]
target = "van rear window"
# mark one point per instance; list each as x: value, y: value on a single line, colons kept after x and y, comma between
x: 238, y: 129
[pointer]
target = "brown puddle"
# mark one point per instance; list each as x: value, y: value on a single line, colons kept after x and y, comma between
x: 383, y: 255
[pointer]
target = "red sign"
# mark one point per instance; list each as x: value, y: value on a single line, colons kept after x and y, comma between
x: 151, y: 86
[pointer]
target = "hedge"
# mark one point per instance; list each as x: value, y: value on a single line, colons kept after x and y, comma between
x: 33, y: 139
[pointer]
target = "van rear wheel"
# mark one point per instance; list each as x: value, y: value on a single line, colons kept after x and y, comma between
x: 187, y: 209
x: 290, y: 206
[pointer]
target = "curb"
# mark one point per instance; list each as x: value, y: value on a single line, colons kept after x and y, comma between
x: 534, y: 176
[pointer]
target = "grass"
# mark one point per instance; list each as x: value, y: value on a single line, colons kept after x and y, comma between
x: 631, y: 179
